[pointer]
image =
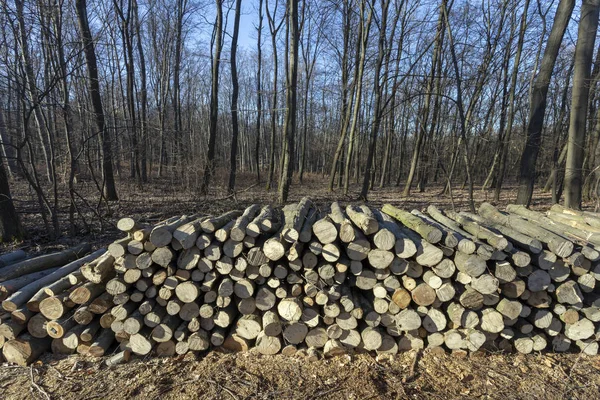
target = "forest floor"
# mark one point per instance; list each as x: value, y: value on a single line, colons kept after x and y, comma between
x: 253, y: 376
x: 164, y: 198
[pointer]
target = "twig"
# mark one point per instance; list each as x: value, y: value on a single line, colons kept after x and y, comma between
x: 235, y: 193
x: 35, y: 385
x: 233, y: 396
x: 413, y: 367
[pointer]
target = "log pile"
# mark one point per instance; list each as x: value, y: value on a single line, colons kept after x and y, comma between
x: 305, y: 280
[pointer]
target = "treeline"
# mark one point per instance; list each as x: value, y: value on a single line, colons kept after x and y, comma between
x: 369, y: 92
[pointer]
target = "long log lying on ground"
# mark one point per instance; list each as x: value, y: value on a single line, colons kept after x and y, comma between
x: 12, y: 257
x: 317, y: 282
x: 25, y: 293
x: 43, y: 262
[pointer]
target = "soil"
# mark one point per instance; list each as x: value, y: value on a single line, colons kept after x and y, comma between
x: 253, y: 376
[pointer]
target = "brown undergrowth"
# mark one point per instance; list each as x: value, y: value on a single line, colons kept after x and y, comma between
x: 253, y: 376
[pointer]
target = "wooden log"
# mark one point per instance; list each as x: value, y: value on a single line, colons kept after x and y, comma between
x: 465, y: 243
x: 187, y: 234
x: 188, y: 291
x: 57, y: 328
x: 64, y: 283
x: 485, y: 284
x: 491, y: 321
x: 119, y: 358
x: 100, y: 270
x: 427, y: 232
x: 127, y: 224
x: 294, y: 218
x: 427, y: 254
x: 25, y: 349
x: 249, y: 326
x: 211, y: 224
x: 525, y: 242
x: 101, y: 304
x: 21, y: 315
x: 423, y: 295
x: 404, y: 247
x: 267, y: 221
x: 162, y: 234
x: 119, y: 247
x: 450, y: 238
x: 36, y: 326
x: 11, y: 329
x: 325, y: 230
x: 558, y: 228
x: 12, y: 285
x: 12, y: 257
x: 295, y: 332
x: 470, y: 264
x: 305, y: 235
x: 479, y: 231
x: 587, y: 217
x: 141, y: 343
x: 235, y: 343
x: 363, y: 218
x: 289, y: 309
x: 434, y: 321
x: 43, y: 262
x: 569, y: 293
x: 56, y: 306
x: 557, y: 244
x: 102, y: 343
x: 25, y: 293
x: 268, y: 345
x: 580, y: 330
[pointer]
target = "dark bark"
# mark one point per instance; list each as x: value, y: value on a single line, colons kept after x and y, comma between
x: 109, y: 188
x: 537, y: 108
x: 234, y: 98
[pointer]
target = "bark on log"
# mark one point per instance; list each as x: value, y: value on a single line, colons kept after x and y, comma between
x: 43, y: 262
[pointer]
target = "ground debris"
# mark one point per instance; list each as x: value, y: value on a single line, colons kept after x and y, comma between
x: 236, y: 376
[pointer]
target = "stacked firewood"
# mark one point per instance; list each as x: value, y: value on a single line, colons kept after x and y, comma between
x: 302, y: 279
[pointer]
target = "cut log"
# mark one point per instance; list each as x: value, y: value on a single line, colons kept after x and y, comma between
x: 12, y: 257
x: 267, y: 221
x: 25, y: 349
x: 268, y: 345
x: 557, y: 244
x: 363, y: 219
x: 43, y: 262
x: 427, y: 232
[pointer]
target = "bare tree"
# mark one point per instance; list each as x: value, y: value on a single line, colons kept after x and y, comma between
x: 291, y: 101
x: 259, y: 109
x: 537, y: 101
x: 109, y: 188
x: 209, y: 168
x: 588, y: 27
x: 234, y: 98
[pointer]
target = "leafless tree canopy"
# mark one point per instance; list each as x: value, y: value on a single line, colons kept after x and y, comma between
x: 363, y: 93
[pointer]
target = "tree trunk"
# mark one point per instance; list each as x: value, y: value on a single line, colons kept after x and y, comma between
x: 259, y: 90
x: 109, y: 188
x: 511, y: 107
x: 291, y: 100
x: 10, y: 227
x: 234, y: 98
x: 588, y: 25
x: 209, y: 168
x: 537, y: 106
x: 143, y: 93
x: 273, y: 29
